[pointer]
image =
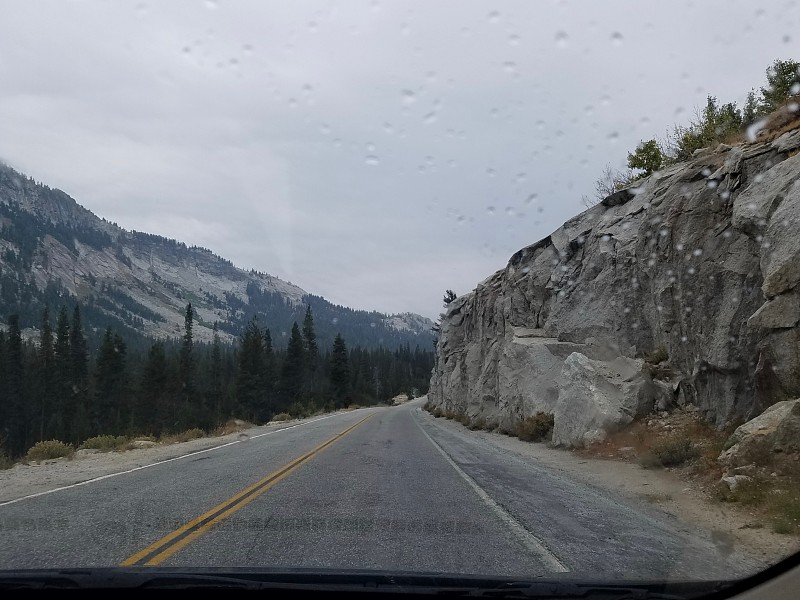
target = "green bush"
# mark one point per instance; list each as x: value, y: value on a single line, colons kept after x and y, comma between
x: 105, y: 443
x: 5, y: 460
x: 49, y: 449
x: 537, y: 428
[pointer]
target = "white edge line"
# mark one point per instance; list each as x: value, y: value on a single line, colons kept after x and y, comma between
x: 161, y: 462
x: 530, y: 541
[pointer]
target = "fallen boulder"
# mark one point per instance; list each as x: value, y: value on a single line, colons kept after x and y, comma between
x: 776, y: 430
x: 598, y: 397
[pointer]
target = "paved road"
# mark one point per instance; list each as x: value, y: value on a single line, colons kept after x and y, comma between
x: 381, y: 488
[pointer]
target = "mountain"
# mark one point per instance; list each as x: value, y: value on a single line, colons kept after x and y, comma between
x: 55, y: 252
x: 682, y: 291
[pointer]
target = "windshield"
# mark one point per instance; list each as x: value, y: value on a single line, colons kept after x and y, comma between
x: 492, y: 290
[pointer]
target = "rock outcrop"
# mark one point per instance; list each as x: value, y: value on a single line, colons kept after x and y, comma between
x: 701, y: 260
x: 775, y: 431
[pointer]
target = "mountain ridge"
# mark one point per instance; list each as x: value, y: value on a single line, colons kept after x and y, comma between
x: 53, y: 251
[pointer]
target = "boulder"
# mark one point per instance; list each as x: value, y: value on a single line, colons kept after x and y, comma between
x: 598, y: 397
x: 776, y: 430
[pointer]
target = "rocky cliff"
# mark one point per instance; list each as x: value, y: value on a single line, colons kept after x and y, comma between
x: 681, y: 291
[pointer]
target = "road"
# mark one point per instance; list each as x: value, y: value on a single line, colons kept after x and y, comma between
x: 378, y: 488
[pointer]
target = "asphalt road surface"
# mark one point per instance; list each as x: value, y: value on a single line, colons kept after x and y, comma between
x: 379, y: 488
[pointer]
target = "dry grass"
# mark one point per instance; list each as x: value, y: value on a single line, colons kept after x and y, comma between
x: 106, y: 443
x: 183, y: 436
x: 49, y: 449
x: 230, y: 426
x: 538, y: 428
x: 281, y: 417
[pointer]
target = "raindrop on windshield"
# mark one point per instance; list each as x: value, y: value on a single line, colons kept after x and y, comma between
x: 494, y: 16
x: 513, y: 39
x: 562, y: 39
x: 372, y: 160
x: 490, y: 210
x: 616, y: 38
x: 754, y: 128
x: 409, y: 97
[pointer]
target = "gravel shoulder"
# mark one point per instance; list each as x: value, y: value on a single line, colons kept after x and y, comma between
x: 729, y: 525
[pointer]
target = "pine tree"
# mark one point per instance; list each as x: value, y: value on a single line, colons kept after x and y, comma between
x: 250, y: 389
x: 12, y: 389
x: 153, y: 409
x: 311, y: 355
x: 215, y: 376
x: 62, y: 410
x: 340, y: 373
x: 79, y: 362
x: 188, y: 410
x: 110, y: 387
x: 45, y: 377
x: 293, y: 368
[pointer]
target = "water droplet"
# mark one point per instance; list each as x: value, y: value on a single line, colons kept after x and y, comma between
x: 794, y: 90
x: 490, y: 172
x: 312, y: 26
x: 613, y: 137
x: 510, y: 67
x: 372, y: 160
x: 388, y: 128
x: 409, y: 97
x: 786, y: 38
x: 509, y: 211
x: 210, y: 4
x: 460, y: 219
x: 292, y: 103
x: 372, y: 325
x: 493, y: 16
x: 325, y: 129
x: 513, y: 39
x: 405, y: 30
x: 430, y: 118
x: 562, y: 39
x: 247, y: 48
x: 490, y: 210
x: 754, y: 128
x: 616, y: 38
x: 531, y: 199
x: 243, y: 437
x: 335, y: 320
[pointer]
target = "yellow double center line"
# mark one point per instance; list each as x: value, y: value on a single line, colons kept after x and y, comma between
x: 170, y: 544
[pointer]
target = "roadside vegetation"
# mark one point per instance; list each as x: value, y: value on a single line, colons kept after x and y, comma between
x: 536, y: 428
x: 773, y: 107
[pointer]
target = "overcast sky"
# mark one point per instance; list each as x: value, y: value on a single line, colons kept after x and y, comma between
x: 372, y: 152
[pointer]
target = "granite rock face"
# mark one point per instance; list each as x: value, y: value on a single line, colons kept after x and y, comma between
x: 701, y: 260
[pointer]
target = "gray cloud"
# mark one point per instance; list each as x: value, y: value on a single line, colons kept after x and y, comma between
x: 375, y: 153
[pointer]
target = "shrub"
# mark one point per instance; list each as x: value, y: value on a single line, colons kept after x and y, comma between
x: 437, y: 412
x: 49, y: 449
x: 184, y: 436
x: 5, y: 460
x: 475, y: 424
x: 657, y: 356
x: 650, y: 461
x: 537, y: 428
x: 462, y: 418
x: 673, y: 452
x: 106, y: 443
x: 282, y: 417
